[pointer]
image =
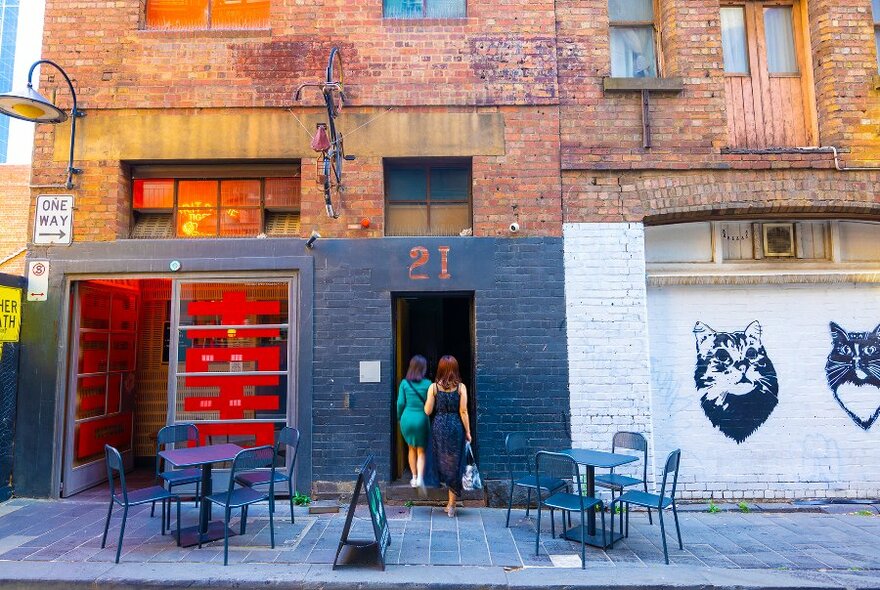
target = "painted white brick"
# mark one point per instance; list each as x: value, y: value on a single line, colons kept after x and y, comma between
x: 631, y: 355
x: 808, y: 447
x: 606, y: 307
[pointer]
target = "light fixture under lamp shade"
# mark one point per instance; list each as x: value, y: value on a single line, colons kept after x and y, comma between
x: 30, y: 105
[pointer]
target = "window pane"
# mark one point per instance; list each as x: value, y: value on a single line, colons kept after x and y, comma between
x: 282, y: 192
x: 630, y: 10
x: 406, y: 220
x: 239, y: 14
x: 406, y: 184
x: 196, y: 223
x: 153, y: 194
x: 733, y: 40
x: 632, y: 52
x: 239, y: 222
x: 197, y: 193
x: 779, y: 35
x: 445, y: 8
x: 402, y: 8
x: 243, y: 193
x: 177, y: 14
x: 450, y: 184
x: 449, y: 220
x: 875, y: 7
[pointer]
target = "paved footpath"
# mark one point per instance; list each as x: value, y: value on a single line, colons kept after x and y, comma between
x: 57, y: 544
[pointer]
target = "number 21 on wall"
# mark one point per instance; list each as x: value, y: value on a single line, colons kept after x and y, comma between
x: 420, y: 256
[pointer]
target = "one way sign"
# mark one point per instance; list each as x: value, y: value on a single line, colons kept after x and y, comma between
x: 53, y: 223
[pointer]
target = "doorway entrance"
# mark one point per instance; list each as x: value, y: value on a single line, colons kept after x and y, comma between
x: 432, y: 325
x: 214, y: 351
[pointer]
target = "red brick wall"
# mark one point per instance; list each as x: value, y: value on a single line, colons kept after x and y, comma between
x: 494, y: 58
x: 540, y: 63
x: 14, y: 208
x: 603, y: 131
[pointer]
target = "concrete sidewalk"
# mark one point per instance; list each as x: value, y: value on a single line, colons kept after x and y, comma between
x: 58, y: 542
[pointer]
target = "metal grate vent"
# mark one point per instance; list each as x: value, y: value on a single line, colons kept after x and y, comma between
x: 152, y: 226
x: 779, y: 239
x: 282, y: 224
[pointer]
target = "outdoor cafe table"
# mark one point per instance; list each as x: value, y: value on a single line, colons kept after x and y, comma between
x: 591, y: 460
x: 203, y: 457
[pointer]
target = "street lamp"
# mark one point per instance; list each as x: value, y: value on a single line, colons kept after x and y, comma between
x: 30, y: 105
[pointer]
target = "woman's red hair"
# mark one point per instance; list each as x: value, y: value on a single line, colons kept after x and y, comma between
x: 448, y: 377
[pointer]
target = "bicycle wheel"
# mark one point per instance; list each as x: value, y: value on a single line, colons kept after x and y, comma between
x: 328, y: 188
x: 334, y: 93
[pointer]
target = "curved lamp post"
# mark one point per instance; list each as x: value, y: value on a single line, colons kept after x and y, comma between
x: 30, y: 105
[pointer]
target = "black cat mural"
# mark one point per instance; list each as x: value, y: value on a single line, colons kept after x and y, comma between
x: 853, y: 373
x: 736, y: 378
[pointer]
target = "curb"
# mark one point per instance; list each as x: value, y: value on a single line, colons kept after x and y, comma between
x: 106, y: 576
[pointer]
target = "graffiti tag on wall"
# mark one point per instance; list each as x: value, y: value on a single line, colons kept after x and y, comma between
x: 853, y: 373
x: 736, y: 378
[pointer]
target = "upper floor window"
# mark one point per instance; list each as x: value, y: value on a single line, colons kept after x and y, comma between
x: 211, y: 202
x: 633, y: 39
x: 766, y: 71
x: 875, y: 8
x: 424, y: 8
x: 427, y: 197
x: 207, y: 14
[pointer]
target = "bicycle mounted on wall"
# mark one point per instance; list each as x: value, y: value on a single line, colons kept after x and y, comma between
x: 327, y: 140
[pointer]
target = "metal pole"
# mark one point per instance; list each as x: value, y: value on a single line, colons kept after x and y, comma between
x: 74, y: 114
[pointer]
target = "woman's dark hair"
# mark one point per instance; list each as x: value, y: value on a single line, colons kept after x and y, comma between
x: 448, y: 376
x: 417, y: 367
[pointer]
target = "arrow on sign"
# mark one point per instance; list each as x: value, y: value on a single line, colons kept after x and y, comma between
x: 59, y: 235
x: 36, y: 294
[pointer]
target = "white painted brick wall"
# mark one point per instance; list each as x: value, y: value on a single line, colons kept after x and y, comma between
x: 808, y: 447
x: 606, y: 310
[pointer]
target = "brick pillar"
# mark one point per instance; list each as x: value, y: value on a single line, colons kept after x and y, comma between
x: 606, y: 306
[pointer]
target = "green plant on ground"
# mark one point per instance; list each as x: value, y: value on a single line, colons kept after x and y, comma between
x: 865, y: 513
x: 618, y: 509
x: 301, y: 499
x: 713, y: 508
x: 409, y: 504
x: 743, y: 507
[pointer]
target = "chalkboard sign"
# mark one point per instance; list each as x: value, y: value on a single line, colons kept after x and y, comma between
x: 361, y: 550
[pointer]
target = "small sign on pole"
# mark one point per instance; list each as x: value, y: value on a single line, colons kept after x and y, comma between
x: 38, y: 280
x: 10, y: 314
x: 53, y: 221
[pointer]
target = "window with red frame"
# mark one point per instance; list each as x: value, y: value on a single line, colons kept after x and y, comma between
x: 215, y: 207
x: 207, y: 14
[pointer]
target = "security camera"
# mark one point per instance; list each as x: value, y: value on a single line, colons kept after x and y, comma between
x: 514, y: 227
x: 312, y: 239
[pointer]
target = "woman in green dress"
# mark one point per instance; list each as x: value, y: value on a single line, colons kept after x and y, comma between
x: 414, y: 423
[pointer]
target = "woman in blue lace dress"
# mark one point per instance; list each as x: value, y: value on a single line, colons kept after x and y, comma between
x: 447, y: 400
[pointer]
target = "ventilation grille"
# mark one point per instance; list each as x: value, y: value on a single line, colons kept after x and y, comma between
x: 152, y: 226
x: 779, y: 239
x: 282, y: 224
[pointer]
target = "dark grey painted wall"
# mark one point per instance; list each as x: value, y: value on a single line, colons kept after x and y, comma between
x: 346, y: 291
x: 521, y: 357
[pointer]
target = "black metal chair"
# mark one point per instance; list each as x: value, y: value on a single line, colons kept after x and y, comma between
x: 659, y: 501
x: 127, y: 499
x: 550, y: 466
x: 245, y: 460
x: 616, y: 482
x: 174, y: 435
x: 519, y: 467
x: 287, y: 438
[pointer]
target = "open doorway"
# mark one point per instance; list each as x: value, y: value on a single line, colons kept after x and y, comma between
x: 433, y: 325
x: 118, y: 383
